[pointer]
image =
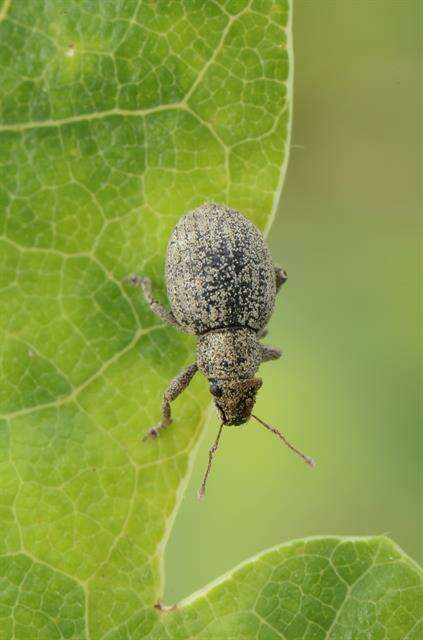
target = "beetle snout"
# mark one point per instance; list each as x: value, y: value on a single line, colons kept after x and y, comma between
x: 234, y: 399
x: 234, y: 411
x: 231, y: 416
x: 236, y: 422
x: 231, y: 421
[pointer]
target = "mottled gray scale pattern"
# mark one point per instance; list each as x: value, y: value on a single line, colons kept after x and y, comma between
x: 219, y: 272
x: 229, y: 354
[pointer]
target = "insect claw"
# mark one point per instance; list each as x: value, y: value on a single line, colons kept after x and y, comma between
x: 310, y: 461
x: 152, y: 434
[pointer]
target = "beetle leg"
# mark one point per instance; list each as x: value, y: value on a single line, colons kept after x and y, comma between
x: 262, y: 333
x: 156, y: 307
x: 281, y: 277
x: 269, y: 353
x: 176, y: 386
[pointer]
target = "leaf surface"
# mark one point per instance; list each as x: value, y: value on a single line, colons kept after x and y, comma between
x: 115, y: 119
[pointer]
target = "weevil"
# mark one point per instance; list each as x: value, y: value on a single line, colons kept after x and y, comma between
x: 221, y: 284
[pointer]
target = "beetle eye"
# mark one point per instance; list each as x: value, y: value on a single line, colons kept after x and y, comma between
x: 215, y: 390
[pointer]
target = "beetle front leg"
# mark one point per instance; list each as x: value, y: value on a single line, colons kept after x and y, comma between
x: 281, y: 277
x: 156, y: 307
x: 269, y: 353
x: 177, y: 385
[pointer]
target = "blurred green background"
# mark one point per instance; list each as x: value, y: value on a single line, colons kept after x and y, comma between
x: 347, y: 389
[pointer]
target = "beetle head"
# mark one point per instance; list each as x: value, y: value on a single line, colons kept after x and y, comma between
x: 235, y: 399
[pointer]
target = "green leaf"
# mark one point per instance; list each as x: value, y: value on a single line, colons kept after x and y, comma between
x: 115, y: 119
x: 317, y: 588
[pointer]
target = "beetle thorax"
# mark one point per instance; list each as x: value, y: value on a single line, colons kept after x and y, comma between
x: 228, y: 354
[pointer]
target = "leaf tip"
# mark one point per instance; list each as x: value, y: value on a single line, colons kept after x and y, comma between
x: 165, y: 608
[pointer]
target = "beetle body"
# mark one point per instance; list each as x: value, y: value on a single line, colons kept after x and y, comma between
x: 221, y: 284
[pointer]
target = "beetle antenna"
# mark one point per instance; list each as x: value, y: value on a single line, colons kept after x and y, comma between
x: 212, y: 451
x: 280, y: 435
